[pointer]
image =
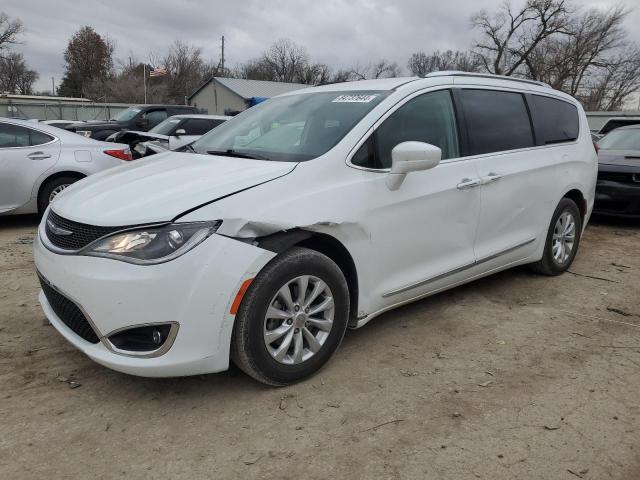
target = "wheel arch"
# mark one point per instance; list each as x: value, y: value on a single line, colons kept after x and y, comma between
x: 325, y: 244
x: 578, y: 197
x: 53, y: 176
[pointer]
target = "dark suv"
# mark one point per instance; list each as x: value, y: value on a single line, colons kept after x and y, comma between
x: 137, y: 117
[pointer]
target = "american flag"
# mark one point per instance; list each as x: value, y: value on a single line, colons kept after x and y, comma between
x: 158, y: 72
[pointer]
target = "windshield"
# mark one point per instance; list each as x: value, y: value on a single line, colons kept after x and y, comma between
x: 127, y: 114
x: 165, y: 127
x: 621, y: 140
x: 292, y: 128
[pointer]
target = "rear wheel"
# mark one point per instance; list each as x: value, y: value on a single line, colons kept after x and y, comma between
x: 292, y: 318
x: 51, y: 189
x: 563, y: 238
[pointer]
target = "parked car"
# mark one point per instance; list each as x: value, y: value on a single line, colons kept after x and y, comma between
x: 138, y: 117
x: 38, y: 161
x: 170, y: 134
x: 375, y: 194
x: 617, y: 122
x: 618, y: 188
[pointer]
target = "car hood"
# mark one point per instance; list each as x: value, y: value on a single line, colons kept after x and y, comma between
x: 161, y: 187
x: 622, y: 158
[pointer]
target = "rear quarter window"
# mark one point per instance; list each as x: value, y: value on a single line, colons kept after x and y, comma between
x: 496, y: 121
x: 554, y: 121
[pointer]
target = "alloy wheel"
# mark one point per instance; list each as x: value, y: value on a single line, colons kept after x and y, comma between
x: 298, y: 320
x: 57, y: 190
x: 564, y: 237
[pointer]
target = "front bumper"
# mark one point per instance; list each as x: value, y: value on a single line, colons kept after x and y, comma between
x: 620, y: 199
x: 195, y: 291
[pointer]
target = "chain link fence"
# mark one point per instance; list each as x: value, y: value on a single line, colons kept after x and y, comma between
x: 59, y: 110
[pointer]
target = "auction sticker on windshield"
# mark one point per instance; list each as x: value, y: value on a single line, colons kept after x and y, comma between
x: 354, y: 98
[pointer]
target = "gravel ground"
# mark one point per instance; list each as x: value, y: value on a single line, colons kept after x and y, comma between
x: 514, y: 376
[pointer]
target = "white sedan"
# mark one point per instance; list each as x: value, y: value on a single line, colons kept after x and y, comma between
x: 38, y: 161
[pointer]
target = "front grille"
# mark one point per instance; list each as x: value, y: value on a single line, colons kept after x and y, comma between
x: 68, y: 312
x: 81, y: 234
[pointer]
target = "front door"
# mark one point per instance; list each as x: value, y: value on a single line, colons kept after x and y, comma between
x: 422, y: 234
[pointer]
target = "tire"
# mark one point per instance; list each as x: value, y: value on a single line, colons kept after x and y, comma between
x: 44, y: 197
x: 552, y: 265
x: 250, y: 350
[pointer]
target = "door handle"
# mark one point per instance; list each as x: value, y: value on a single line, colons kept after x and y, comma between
x: 467, y: 183
x: 490, y: 178
x: 38, y: 156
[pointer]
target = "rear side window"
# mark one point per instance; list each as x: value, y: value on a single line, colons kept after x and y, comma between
x: 39, y: 138
x: 554, y: 121
x: 18, y: 136
x: 200, y: 126
x: 496, y: 121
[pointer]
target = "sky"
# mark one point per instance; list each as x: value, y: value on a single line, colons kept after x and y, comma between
x: 340, y: 33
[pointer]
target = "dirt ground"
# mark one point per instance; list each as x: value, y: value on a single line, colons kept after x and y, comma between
x: 514, y: 376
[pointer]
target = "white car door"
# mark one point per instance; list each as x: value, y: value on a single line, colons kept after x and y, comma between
x: 422, y: 234
x: 518, y: 181
x: 25, y: 154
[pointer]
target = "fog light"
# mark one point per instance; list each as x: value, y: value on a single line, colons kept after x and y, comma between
x: 141, y: 339
x: 157, y: 337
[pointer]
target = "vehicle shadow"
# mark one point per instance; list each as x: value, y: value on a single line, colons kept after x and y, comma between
x: 18, y: 221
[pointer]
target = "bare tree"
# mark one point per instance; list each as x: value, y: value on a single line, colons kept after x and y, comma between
x: 421, y: 63
x: 381, y: 69
x: 9, y: 31
x: 509, y: 36
x: 186, y: 69
x: 15, y: 76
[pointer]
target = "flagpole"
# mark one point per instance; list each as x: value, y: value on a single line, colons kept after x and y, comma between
x: 144, y: 74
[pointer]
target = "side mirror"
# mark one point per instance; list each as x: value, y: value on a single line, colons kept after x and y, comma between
x: 410, y: 157
x: 180, y: 131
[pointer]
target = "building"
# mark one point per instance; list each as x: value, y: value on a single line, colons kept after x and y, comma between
x: 224, y: 96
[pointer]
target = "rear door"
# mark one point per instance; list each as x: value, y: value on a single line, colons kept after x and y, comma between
x: 518, y: 180
x: 25, y: 154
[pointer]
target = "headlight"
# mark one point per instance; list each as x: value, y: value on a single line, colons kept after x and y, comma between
x: 152, y: 245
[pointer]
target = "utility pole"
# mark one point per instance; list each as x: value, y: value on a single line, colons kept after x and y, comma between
x: 53, y: 87
x: 222, y: 58
x: 144, y: 76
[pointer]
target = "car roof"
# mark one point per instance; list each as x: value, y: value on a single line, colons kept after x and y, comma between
x: 438, y: 78
x: 201, y: 115
x: 49, y: 129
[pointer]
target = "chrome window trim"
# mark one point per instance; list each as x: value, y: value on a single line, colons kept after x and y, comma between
x: 390, y: 111
x: 48, y: 134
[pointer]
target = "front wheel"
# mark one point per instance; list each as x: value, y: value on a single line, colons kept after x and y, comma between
x: 563, y: 238
x: 292, y: 318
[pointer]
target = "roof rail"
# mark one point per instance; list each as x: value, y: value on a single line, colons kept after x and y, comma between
x: 456, y: 73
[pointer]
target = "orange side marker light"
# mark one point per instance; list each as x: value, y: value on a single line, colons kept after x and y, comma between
x: 236, y: 302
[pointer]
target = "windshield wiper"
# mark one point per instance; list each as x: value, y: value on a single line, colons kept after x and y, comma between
x: 234, y: 153
x: 189, y: 148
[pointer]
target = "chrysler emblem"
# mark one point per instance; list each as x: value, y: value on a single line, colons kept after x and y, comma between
x: 57, y: 230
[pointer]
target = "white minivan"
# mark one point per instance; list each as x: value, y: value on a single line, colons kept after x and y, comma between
x: 312, y: 212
